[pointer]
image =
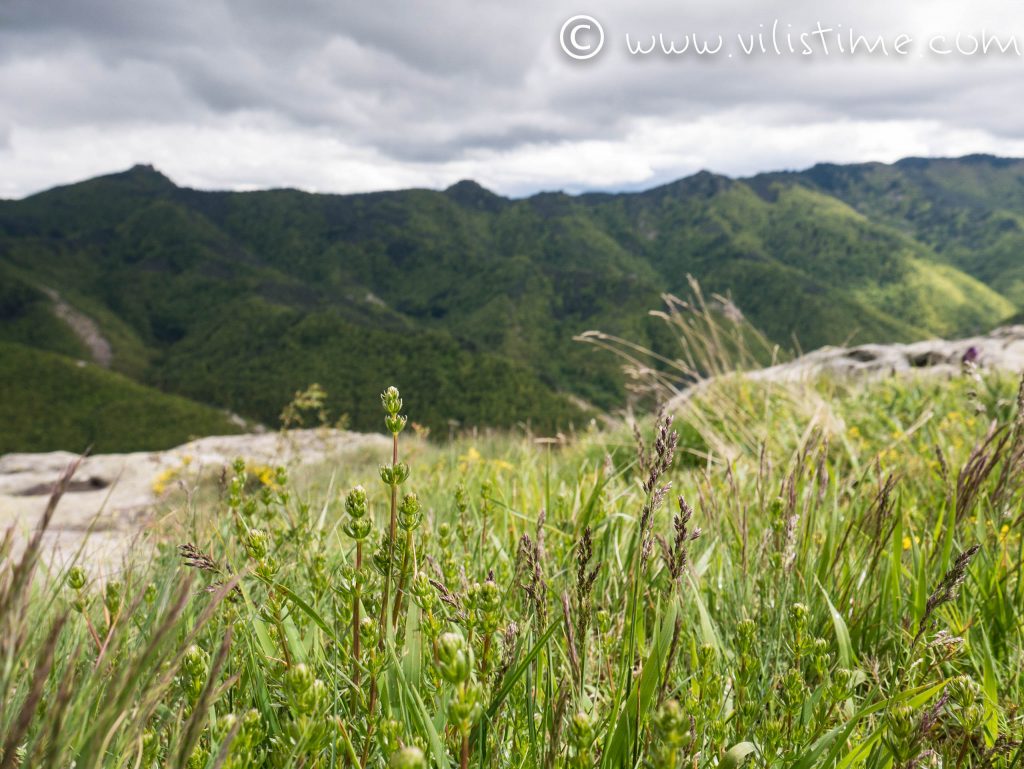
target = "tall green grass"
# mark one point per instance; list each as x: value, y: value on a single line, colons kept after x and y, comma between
x: 828, y: 586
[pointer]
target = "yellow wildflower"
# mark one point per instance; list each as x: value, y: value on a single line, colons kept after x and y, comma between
x: 469, y: 459
x: 263, y: 473
x: 163, y: 480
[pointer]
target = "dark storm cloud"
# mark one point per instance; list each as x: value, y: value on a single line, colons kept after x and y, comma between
x: 424, y: 90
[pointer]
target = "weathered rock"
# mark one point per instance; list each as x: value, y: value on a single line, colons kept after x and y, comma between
x: 1002, y: 349
x: 112, y: 496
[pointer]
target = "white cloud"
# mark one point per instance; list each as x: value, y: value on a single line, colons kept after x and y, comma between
x: 352, y: 97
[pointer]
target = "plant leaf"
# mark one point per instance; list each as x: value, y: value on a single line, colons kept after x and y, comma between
x: 736, y: 755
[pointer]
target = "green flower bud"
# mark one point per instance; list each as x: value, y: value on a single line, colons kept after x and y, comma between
x: 256, y: 544
x: 746, y: 632
x: 252, y: 721
x: 770, y: 731
x: 391, y: 400
x: 798, y: 616
x: 409, y: 514
x: 793, y: 690
x: 266, y: 568
x: 706, y: 656
x: 358, y: 528
x: 194, y: 662
x: 150, y: 595
x: 485, y: 597
x: 76, y: 578
x: 454, y: 658
x: 672, y: 725
x: 198, y: 758
x: 395, y: 423
x: 305, y: 692
x: 355, y: 502
x: 225, y: 724
x: 901, y: 721
x: 401, y: 473
x: 444, y: 535
x: 312, y: 700
x: 423, y: 592
x: 465, y: 707
x: 581, y: 730
x: 367, y: 630
x: 113, y: 596
x: 298, y: 678
x: 194, y: 670
x: 963, y: 691
x: 409, y: 757
x: 394, y: 475
x: 821, y: 656
x: 842, y: 685
x: 150, y: 745
x: 972, y: 718
x: 420, y: 586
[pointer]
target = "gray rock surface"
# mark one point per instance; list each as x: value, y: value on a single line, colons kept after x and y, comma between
x: 112, y: 497
x: 1002, y: 349
x: 999, y: 350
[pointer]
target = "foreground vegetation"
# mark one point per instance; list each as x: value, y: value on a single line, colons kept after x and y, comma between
x: 809, y: 576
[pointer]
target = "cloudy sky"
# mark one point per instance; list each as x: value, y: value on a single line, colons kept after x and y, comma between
x: 337, y: 95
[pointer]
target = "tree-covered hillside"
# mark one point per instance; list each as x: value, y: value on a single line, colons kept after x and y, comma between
x: 50, y: 402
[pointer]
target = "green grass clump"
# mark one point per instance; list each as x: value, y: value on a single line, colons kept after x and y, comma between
x: 842, y: 588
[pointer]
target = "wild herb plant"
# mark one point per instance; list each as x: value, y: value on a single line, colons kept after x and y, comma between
x: 843, y: 589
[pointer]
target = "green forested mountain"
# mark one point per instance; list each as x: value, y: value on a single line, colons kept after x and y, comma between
x: 50, y: 401
x: 469, y: 300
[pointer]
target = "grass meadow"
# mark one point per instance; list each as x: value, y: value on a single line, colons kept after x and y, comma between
x: 800, y: 575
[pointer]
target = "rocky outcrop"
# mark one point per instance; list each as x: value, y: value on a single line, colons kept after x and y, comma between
x: 112, y: 497
x: 999, y: 350
x: 1002, y: 349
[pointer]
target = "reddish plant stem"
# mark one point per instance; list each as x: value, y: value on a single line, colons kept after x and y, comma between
x: 400, y: 591
x: 355, y: 625
x: 391, y: 546
x: 383, y: 622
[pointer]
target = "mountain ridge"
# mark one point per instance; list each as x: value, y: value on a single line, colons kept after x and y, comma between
x: 144, y: 168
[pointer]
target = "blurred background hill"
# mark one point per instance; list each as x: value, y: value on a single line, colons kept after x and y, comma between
x: 207, y: 304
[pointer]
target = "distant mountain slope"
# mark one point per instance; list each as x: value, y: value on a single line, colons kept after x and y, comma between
x: 969, y: 210
x: 469, y: 300
x: 50, y: 402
